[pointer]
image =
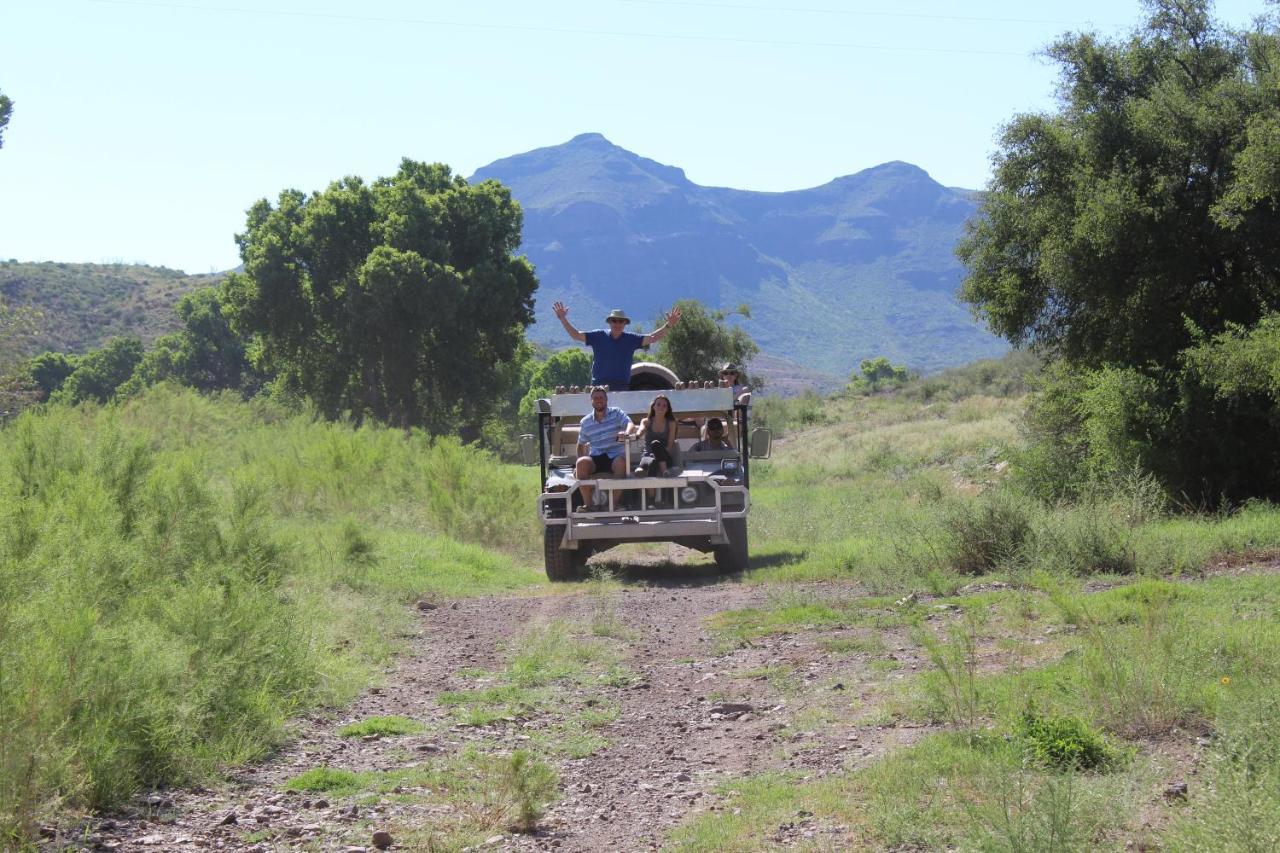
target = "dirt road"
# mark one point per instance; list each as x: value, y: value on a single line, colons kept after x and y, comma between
x: 693, y: 712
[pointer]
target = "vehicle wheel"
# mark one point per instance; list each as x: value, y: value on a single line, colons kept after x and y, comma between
x: 732, y: 557
x: 562, y: 564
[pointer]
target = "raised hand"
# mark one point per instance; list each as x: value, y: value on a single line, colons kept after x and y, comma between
x: 560, y: 309
x: 674, y: 316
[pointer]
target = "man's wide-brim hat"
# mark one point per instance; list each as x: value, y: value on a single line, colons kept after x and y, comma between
x: 618, y: 314
x: 730, y: 367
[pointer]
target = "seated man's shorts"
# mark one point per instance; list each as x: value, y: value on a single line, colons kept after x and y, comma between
x: 603, y: 462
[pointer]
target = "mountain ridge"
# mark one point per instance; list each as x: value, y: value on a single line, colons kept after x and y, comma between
x: 871, y: 251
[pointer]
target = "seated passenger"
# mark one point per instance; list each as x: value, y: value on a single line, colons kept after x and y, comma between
x: 714, y: 438
x: 600, y: 438
x: 658, y: 432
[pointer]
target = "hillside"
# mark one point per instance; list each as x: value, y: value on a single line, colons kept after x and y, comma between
x: 858, y: 267
x: 83, y: 305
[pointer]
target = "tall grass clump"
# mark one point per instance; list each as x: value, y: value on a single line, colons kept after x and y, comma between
x: 179, y: 575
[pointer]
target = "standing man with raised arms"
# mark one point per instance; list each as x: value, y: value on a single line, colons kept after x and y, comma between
x: 612, y: 348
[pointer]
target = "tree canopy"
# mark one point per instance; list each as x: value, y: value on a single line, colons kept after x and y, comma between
x: 703, y: 340
x: 401, y: 300
x: 1145, y: 210
x: 566, y: 367
x: 205, y: 354
x: 1131, y: 236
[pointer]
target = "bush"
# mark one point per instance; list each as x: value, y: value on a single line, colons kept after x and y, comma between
x: 1064, y: 743
x: 987, y: 533
x: 1087, y: 539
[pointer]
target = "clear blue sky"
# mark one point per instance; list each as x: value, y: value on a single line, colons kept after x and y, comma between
x: 143, y: 130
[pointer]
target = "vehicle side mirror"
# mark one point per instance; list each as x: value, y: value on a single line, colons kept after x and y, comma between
x: 528, y: 449
x: 761, y: 443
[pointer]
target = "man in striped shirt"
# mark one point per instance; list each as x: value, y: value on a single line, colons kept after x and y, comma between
x: 600, y: 438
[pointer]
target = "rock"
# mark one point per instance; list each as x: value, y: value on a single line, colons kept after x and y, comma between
x: 229, y: 818
x: 732, y: 710
x: 1176, y: 791
x: 837, y: 686
x: 424, y: 606
x: 683, y: 777
x: 382, y: 839
x: 492, y: 840
x: 321, y: 804
x: 48, y: 832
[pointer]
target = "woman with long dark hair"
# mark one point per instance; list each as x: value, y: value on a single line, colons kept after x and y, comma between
x: 658, y: 432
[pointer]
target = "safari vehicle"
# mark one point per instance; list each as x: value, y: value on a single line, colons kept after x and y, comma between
x: 707, y: 493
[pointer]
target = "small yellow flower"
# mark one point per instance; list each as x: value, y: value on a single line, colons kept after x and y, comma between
x: 1226, y: 680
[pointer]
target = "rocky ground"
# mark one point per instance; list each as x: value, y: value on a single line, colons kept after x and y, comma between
x: 692, y: 713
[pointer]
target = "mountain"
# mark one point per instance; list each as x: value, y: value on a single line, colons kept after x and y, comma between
x: 858, y: 267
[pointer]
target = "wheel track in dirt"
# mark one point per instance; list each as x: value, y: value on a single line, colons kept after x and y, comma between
x: 667, y: 753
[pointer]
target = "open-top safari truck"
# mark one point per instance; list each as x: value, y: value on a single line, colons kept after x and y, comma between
x: 703, y: 499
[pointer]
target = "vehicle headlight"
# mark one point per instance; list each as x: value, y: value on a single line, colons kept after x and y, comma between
x: 729, y: 465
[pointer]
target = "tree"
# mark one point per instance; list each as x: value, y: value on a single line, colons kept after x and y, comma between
x: 702, y: 341
x: 100, y: 373
x: 876, y: 374
x: 567, y: 367
x: 401, y: 300
x: 49, y: 370
x: 1145, y: 210
x: 206, y: 354
x: 1131, y: 237
x: 6, y: 110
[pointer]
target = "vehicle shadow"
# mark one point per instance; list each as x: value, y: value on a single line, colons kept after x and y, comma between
x: 678, y: 574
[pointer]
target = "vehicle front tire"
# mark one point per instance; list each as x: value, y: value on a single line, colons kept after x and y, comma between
x: 732, y: 557
x: 562, y: 564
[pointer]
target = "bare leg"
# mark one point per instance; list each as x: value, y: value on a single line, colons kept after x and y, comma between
x: 582, y: 469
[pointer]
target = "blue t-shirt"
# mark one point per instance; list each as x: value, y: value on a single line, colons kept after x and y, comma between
x: 602, y: 435
x: 612, y: 363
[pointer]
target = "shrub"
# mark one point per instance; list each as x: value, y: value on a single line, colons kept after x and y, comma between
x: 1089, y: 538
x: 1065, y: 743
x: 987, y: 533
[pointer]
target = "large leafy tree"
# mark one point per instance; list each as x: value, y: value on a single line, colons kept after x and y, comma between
x: 1146, y: 209
x: 401, y: 300
x: 1124, y: 231
x: 703, y: 340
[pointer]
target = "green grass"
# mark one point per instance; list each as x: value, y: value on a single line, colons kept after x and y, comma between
x: 180, y: 575
x: 489, y: 791
x: 389, y: 726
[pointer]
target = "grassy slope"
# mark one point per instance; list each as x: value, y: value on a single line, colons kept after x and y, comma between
x: 83, y: 305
